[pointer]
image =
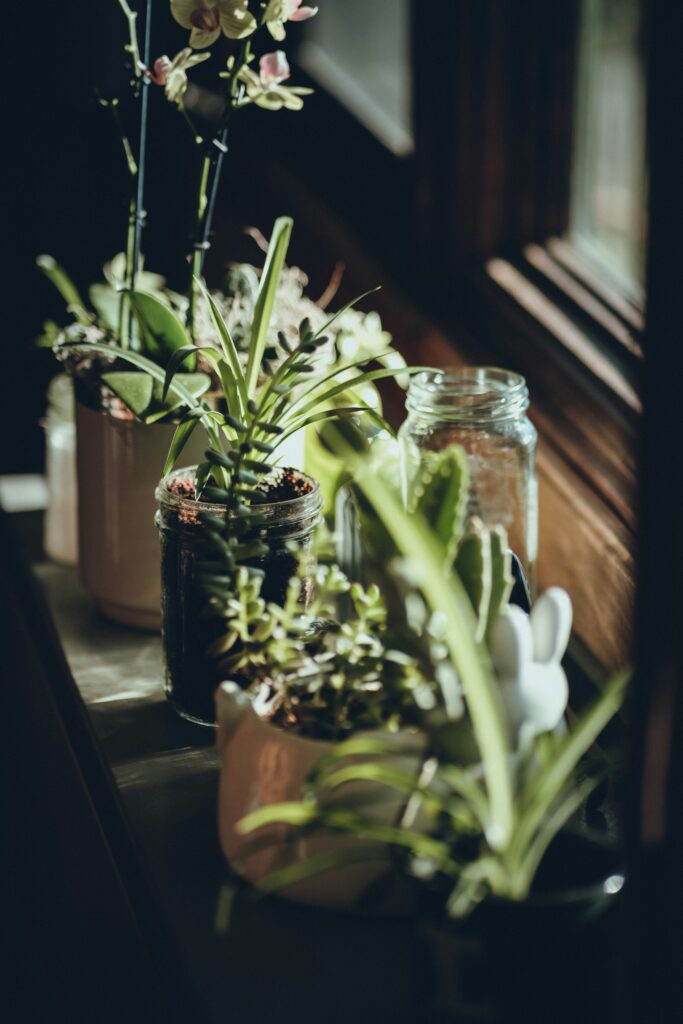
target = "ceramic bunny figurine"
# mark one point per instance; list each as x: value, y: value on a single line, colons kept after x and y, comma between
x: 526, y: 651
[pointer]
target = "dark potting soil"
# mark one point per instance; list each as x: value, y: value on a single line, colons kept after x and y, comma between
x: 191, y: 675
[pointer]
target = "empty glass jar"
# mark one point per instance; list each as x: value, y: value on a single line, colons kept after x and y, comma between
x: 483, y: 409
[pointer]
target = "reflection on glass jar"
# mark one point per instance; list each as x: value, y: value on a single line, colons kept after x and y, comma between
x: 484, y: 410
x: 191, y: 674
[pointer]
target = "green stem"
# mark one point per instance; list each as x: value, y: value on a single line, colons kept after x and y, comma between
x: 212, y: 165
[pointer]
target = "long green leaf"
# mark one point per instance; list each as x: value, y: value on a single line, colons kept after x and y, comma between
x: 363, y: 378
x: 265, y: 301
x: 353, y: 302
x: 182, y: 435
x: 236, y: 389
x: 57, y: 276
x: 446, y: 594
x: 549, y: 783
x: 143, y: 363
x: 174, y: 363
x: 326, y: 414
x: 318, y: 864
x: 320, y: 382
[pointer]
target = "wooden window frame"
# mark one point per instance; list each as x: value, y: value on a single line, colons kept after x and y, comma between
x: 467, y: 237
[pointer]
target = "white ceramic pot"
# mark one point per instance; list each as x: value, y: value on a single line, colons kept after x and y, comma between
x: 261, y: 765
x: 119, y: 464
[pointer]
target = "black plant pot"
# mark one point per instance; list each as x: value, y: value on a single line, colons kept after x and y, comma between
x: 191, y: 674
x: 548, y: 960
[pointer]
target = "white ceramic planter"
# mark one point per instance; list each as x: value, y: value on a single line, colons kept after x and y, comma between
x: 261, y: 765
x: 119, y: 464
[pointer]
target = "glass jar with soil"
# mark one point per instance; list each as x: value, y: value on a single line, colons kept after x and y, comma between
x: 290, y: 515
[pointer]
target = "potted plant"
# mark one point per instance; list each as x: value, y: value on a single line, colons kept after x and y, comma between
x: 269, y: 399
x: 123, y: 426
x: 500, y: 774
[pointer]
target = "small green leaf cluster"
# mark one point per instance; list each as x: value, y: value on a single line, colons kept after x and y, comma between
x: 311, y: 668
x: 88, y: 346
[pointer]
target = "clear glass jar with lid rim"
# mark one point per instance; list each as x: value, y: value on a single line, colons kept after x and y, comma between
x: 483, y: 409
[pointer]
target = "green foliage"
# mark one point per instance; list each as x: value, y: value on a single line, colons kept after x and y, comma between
x: 274, y: 396
x: 161, y: 332
x: 485, y: 826
x: 314, y: 670
x: 143, y: 395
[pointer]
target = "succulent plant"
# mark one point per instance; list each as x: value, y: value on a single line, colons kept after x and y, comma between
x: 480, y: 818
x: 439, y: 495
x: 308, y: 667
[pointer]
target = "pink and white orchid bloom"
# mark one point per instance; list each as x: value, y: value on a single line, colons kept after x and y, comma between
x: 280, y: 11
x: 172, y: 74
x: 208, y: 18
x: 266, y: 89
x: 274, y: 67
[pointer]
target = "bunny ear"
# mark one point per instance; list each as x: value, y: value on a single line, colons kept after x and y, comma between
x: 512, y: 645
x: 551, y: 623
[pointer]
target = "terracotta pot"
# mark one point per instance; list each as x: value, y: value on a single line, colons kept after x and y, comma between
x: 261, y: 765
x: 119, y: 464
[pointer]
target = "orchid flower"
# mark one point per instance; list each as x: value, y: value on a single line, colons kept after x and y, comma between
x: 172, y: 74
x: 265, y: 89
x: 526, y: 651
x: 280, y: 11
x: 208, y: 18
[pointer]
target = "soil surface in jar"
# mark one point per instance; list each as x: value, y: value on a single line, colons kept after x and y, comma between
x: 191, y: 675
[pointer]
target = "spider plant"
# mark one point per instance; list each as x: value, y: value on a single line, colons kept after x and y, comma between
x: 268, y: 398
x: 482, y: 823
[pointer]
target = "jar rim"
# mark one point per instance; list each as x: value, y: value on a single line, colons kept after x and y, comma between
x: 469, y: 392
x: 290, y: 510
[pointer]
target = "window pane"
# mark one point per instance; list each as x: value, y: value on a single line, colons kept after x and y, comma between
x: 608, y: 210
x: 360, y: 52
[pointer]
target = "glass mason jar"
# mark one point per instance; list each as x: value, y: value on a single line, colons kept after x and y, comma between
x: 483, y: 409
x: 191, y: 674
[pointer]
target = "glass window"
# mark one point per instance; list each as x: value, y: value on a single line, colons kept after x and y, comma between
x: 608, y: 217
x: 360, y: 52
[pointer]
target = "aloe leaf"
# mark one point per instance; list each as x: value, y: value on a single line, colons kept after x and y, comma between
x: 473, y: 566
x: 63, y: 283
x: 265, y: 300
x: 414, y: 540
x: 134, y: 388
x: 162, y: 333
x: 502, y: 580
x: 238, y: 385
x: 439, y: 494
